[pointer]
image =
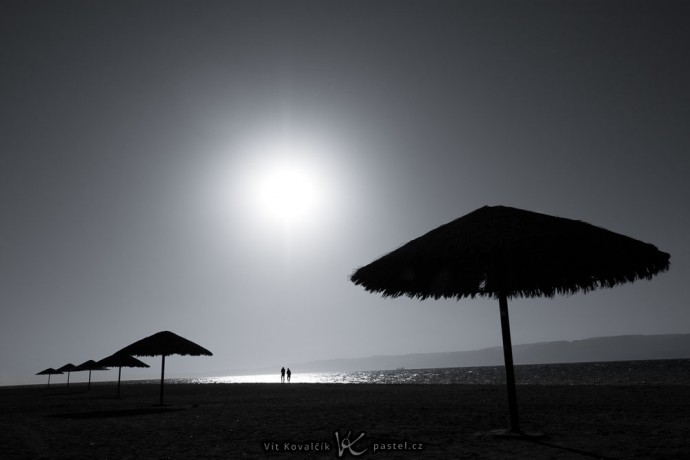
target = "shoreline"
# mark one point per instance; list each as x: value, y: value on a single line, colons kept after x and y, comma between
x: 257, y: 420
x: 633, y: 372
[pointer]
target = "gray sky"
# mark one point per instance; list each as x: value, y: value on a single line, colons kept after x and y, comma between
x: 135, y: 136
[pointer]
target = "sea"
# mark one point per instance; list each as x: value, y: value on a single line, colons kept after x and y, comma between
x: 645, y: 372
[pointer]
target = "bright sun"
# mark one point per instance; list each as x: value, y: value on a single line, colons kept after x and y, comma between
x: 288, y: 186
x: 285, y: 183
x: 288, y: 191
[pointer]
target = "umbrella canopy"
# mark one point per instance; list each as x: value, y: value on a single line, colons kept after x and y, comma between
x: 505, y: 252
x: 120, y: 361
x: 518, y: 253
x: 164, y: 343
x: 69, y: 368
x: 50, y: 371
x: 89, y: 365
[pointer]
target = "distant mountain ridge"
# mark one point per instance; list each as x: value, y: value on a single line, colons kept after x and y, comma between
x: 616, y: 348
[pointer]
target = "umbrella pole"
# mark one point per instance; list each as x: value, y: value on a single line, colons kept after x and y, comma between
x: 89, y: 387
x: 119, y: 374
x: 508, y: 359
x: 162, y: 373
x: 68, y: 373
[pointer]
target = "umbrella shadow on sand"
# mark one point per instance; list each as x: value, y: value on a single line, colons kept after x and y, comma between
x: 504, y: 252
x: 118, y: 413
x: 584, y: 453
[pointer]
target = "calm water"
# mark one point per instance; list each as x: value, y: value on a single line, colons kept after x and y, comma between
x: 650, y: 372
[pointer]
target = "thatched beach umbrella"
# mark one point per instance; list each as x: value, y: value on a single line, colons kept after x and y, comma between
x: 89, y: 365
x: 164, y: 344
x: 121, y: 361
x: 69, y: 368
x: 50, y: 371
x: 503, y: 252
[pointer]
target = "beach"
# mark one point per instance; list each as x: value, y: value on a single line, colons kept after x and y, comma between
x: 299, y: 420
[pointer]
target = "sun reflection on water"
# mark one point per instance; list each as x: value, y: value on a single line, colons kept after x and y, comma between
x: 671, y: 372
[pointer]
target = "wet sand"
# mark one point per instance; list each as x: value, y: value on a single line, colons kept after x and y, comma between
x: 409, y: 421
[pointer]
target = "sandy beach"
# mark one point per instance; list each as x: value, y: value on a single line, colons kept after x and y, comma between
x: 313, y: 421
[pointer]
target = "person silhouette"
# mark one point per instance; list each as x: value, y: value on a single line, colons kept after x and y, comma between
x: 289, y: 374
x: 282, y: 375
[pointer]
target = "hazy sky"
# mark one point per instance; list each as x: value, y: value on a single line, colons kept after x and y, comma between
x: 137, y: 139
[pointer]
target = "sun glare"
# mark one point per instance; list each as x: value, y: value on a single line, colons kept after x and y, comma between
x: 288, y: 191
x: 285, y: 183
x: 283, y: 186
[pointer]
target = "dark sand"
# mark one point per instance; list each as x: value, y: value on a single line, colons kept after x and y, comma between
x: 235, y: 420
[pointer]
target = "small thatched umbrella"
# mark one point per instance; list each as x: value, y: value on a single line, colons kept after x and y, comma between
x: 121, y: 361
x: 69, y: 368
x: 50, y: 371
x: 89, y: 365
x: 503, y: 253
x: 164, y: 343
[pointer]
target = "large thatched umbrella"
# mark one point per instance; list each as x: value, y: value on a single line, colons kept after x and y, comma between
x: 69, y: 368
x: 504, y: 252
x: 89, y: 365
x: 121, y: 361
x: 50, y: 371
x: 164, y: 343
